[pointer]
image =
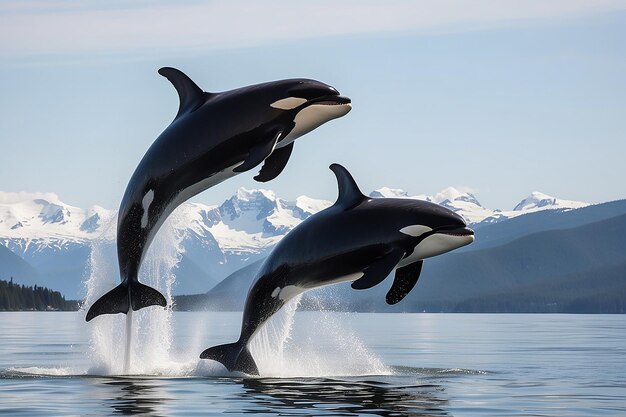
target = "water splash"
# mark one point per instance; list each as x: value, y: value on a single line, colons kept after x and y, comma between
x: 128, y: 349
x: 317, y: 346
x: 269, y: 345
x: 106, y: 337
x: 150, y: 338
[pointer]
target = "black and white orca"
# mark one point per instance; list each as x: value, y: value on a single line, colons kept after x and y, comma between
x: 213, y: 137
x: 359, y: 239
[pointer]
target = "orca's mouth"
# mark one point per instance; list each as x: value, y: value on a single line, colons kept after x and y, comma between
x: 457, y: 231
x: 332, y: 100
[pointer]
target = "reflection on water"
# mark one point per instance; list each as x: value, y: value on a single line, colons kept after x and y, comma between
x: 132, y: 396
x: 283, y: 396
x: 381, y: 396
x: 315, y: 396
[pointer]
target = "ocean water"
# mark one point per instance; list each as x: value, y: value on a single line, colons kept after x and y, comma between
x: 316, y: 363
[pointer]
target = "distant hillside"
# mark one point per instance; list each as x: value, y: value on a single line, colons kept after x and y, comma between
x: 14, y: 297
x: 13, y: 265
x: 580, y: 268
x: 228, y: 295
x: 490, y: 235
x: 601, y: 290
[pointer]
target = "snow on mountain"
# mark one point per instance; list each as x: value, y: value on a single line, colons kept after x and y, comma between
x: 536, y: 201
x: 32, y: 216
x: 387, y: 192
x: 468, y: 207
x: 56, y: 238
x: 463, y: 203
x: 306, y: 206
x: 251, y: 220
x: 540, y: 201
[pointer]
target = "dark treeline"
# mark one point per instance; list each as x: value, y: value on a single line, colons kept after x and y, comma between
x: 14, y: 297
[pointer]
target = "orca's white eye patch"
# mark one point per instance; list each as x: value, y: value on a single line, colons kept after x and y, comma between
x: 288, y: 103
x: 415, y: 230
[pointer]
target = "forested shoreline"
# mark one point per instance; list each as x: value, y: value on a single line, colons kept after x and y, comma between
x: 15, y: 297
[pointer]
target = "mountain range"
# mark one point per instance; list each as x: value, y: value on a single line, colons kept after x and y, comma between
x: 46, y: 242
x: 549, y: 261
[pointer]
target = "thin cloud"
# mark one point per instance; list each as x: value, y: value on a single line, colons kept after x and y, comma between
x: 16, y: 197
x: 38, y: 27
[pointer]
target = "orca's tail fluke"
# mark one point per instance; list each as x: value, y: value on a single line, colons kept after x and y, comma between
x: 121, y: 298
x: 236, y: 357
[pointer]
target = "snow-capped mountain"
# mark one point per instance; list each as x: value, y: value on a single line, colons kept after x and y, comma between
x: 56, y: 238
x: 467, y: 205
x: 462, y: 203
x: 40, y: 215
x: 249, y: 220
x: 536, y: 201
x: 539, y: 201
x: 242, y: 228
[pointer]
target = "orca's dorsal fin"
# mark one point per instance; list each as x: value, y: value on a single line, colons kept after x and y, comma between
x: 349, y: 193
x: 191, y: 96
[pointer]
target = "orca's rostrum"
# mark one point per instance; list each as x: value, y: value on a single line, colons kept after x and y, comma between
x: 359, y: 239
x: 213, y: 137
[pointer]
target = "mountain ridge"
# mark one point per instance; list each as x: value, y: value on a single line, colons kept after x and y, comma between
x: 55, y: 238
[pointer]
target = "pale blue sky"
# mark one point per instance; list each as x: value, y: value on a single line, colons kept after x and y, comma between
x: 500, y: 98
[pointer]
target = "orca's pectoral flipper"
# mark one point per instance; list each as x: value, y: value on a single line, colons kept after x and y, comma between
x: 378, y: 270
x: 121, y: 298
x: 259, y: 152
x: 236, y: 357
x: 274, y: 164
x: 404, y: 281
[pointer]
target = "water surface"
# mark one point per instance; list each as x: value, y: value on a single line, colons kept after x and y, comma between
x: 319, y: 363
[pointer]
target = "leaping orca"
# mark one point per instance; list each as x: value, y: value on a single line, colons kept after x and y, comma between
x: 359, y: 239
x: 213, y: 137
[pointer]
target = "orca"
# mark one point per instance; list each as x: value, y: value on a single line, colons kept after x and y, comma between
x: 359, y: 239
x: 214, y: 136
